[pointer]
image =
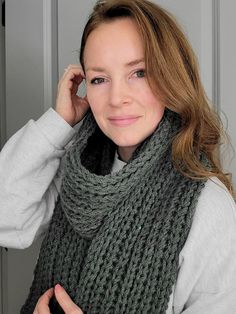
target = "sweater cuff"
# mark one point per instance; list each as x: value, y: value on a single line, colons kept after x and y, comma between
x: 58, y: 132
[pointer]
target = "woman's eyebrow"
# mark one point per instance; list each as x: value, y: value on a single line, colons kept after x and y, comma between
x: 134, y: 62
x: 95, y: 69
x: 129, y: 64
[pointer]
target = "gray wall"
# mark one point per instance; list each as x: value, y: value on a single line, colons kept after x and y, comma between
x: 2, y: 83
x: 227, y: 78
x: 24, y: 60
x: 2, y: 126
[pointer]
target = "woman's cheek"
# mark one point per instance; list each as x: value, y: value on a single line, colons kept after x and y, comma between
x: 139, y: 84
x: 97, y: 96
x: 91, y: 95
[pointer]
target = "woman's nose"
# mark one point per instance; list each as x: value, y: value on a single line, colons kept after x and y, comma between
x: 119, y: 93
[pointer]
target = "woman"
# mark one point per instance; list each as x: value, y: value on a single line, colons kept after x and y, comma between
x: 144, y: 221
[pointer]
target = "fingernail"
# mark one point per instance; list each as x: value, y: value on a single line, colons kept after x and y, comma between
x: 58, y: 287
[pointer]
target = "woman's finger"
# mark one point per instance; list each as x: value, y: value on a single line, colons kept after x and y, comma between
x: 68, y: 306
x: 43, y: 302
x: 75, y: 69
x: 72, y: 74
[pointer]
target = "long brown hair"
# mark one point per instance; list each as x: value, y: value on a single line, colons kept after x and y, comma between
x: 173, y: 75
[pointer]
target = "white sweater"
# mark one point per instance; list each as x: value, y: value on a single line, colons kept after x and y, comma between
x: 30, y: 178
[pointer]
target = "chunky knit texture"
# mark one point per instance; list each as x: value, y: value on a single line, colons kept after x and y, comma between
x: 114, y: 239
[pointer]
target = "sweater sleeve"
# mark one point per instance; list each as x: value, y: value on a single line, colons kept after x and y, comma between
x: 30, y: 178
x: 207, y: 266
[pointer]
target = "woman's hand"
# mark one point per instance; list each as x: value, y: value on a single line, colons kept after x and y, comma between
x: 68, y: 306
x: 70, y: 106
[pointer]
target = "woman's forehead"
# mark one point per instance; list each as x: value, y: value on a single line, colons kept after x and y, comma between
x: 116, y: 39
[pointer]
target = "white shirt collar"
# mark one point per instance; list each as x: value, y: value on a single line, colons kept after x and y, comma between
x: 118, y: 164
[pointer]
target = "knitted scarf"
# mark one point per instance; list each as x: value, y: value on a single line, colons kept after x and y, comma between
x: 114, y: 238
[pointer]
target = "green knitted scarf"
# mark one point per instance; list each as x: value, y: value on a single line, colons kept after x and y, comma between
x: 115, y: 238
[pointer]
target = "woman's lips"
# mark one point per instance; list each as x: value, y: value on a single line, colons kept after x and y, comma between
x: 123, y: 121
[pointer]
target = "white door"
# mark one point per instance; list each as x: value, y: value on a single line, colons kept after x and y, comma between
x: 35, y: 29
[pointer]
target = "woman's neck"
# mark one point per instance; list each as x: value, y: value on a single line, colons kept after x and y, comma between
x: 125, y: 153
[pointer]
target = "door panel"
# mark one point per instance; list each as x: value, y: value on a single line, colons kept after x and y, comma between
x: 227, y: 75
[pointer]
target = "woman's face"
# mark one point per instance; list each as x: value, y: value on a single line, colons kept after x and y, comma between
x: 119, y: 95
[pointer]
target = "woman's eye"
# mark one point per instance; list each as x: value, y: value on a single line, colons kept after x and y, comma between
x: 140, y: 73
x: 97, y: 80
